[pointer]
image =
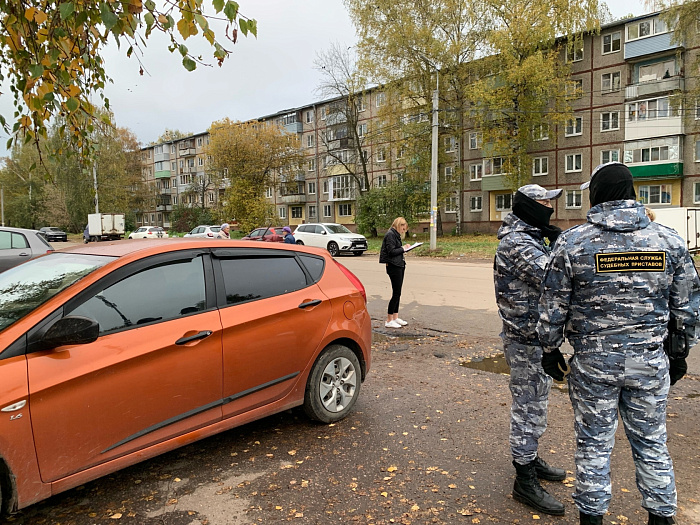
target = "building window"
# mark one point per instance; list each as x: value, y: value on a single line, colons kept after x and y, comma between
x: 381, y: 99
x: 540, y: 166
x: 574, y: 127
x: 504, y: 202
x: 648, y: 109
x: 360, y: 103
x: 401, y: 152
x: 540, y: 132
x: 609, y: 155
x: 309, y: 116
x: 312, y: 212
x: 309, y: 141
x: 361, y: 130
x: 283, y: 212
x: 655, y: 194
x: 574, y: 52
x: 449, y: 174
x: 652, y: 150
x: 475, y: 204
x: 325, y: 186
x: 345, y: 210
x: 475, y: 171
x: 696, y: 193
x: 493, y: 166
x: 380, y: 181
x: 610, y: 82
x: 312, y: 188
x: 327, y: 210
x: 657, y: 71
x: 451, y: 204
x: 200, y: 161
x: 297, y: 212
x: 645, y: 28
x: 381, y: 155
x: 268, y: 192
x: 574, y: 89
x: 611, y: 42
x: 211, y: 197
x: 343, y: 187
x: 610, y: 121
x: 474, y: 140
x: 450, y: 144
x: 573, y: 162
x: 697, y: 151
x: 573, y: 199
x: 323, y: 113
x: 312, y: 164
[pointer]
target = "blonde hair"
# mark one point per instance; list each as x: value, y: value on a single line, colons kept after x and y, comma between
x: 398, y: 221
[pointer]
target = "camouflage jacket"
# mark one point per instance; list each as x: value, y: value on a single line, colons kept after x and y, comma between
x: 518, y: 269
x: 615, y: 279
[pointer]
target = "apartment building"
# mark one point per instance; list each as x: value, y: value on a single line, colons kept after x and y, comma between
x: 626, y: 83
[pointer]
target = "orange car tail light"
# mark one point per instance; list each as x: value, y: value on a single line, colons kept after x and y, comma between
x: 353, y: 279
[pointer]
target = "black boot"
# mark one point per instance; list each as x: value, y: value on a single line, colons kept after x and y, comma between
x: 590, y: 519
x: 545, y: 471
x: 527, y: 490
x: 661, y: 520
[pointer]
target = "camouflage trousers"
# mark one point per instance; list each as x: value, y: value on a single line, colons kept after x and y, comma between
x: 529, y: 386
x: 634, y: 382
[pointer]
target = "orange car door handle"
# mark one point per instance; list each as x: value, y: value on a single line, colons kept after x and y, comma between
x: 310, y: 303
x: 200, y: 335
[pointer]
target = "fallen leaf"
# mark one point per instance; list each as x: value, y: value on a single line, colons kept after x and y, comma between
x: 292, y: 452
x: 415, y: 508
x: 535, y: 517
x: 392, y: 469
x: 115, y: 516
x: 452, y: 486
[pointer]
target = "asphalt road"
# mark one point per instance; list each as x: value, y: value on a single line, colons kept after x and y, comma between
x: 427, y: 442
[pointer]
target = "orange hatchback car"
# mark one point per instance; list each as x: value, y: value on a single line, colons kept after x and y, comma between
x: 112, y: 353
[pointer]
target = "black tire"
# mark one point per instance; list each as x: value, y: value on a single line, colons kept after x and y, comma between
x: 300, y: 243
x: 357, y: 254
x: 333, y: 249
x: 334, y: 385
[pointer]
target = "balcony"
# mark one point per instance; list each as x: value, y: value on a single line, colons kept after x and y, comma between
x: 164, y: 207
x: 162, y: 174
x: 293, y: 198
x: 650, y: 45
x: 494, y: 183
x: 659, y: 127
x: 159, y: 157
x: 656, y: 87
x: 294, y: 127
x: 663, y: 170
x: 187, y: 152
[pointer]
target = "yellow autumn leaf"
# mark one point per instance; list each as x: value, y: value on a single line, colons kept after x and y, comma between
x: 116, y: 516
x: 292, y: 452
x: 385, y: 494
x: 452, y: 486
x: 535, y: 517
x: 415, y: 508
x: 277, y: 507
x: 40, y: 17
x: 392, y: 469
x: 29, y: 13
x: 624, y: 490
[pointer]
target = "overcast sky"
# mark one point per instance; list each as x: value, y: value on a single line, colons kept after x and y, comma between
x: 262, y: 76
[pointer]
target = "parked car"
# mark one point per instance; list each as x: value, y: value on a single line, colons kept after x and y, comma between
x: 102, y: 365
x: 18, y: 245
x: 53, y: 234
x: 149, y: 232
x: 204, y: 231
x: 335, y: 238
x: 265, y: 234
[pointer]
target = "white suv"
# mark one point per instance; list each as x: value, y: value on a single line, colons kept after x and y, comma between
x: 335, y: 238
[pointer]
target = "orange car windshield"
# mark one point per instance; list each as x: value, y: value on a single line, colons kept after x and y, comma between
x: 29, y: 285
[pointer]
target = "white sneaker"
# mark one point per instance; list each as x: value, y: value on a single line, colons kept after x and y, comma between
x: 401, y: 321
x: 392, y: 324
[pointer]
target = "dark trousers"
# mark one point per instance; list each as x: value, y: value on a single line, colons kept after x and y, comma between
x: 395, y: 273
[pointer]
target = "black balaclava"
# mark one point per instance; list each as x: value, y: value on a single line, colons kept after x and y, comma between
x: 531, y: 211
x: 612, y: 183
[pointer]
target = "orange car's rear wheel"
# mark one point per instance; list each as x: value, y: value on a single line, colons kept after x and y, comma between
x: 334, y: 385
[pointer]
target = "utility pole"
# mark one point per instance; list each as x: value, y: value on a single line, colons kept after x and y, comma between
x: 434, y: 166
x: 2, y: 205
x: 94, y: 183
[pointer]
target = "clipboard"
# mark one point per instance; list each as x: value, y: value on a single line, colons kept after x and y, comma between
x: 414, y: 245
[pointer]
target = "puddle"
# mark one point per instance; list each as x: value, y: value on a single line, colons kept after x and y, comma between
x: 692, y: 396
x: 496, y: 364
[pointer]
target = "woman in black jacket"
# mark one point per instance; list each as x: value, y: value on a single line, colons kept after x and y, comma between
x: 392, y: 254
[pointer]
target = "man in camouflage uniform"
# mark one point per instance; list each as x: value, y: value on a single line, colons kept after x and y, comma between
x: 518, y: 271
x: 609, y: 287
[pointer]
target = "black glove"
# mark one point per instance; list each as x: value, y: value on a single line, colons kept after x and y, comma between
x: 555, y: 365
x: 677, y: 369
x: 551, y: 232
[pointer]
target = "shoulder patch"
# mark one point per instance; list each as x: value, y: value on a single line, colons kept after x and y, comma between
x: 630, y: 262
